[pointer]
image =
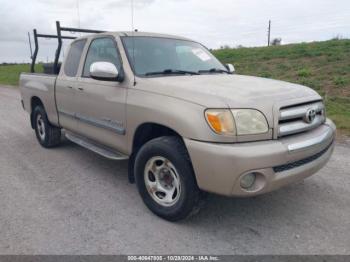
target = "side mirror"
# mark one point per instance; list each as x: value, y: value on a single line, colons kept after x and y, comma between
x: 230, y: 68
x: 104, y: 71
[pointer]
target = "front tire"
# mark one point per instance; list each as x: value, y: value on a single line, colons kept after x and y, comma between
x: 165, y: 179
x: 47, y: 134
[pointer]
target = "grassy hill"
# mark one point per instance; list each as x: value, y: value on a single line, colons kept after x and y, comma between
x: 323, y: 66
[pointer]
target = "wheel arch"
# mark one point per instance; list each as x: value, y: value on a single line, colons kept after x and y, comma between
x: 148, y: 131
x: 144, y: 133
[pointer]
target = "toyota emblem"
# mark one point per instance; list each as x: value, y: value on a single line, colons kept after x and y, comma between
x: 310, y: 115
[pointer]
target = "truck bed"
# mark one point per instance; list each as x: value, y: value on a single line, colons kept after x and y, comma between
x: 42, y: 86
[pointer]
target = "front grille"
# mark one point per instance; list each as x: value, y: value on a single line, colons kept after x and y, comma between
x: 299, y: 118
x: 301, y: 162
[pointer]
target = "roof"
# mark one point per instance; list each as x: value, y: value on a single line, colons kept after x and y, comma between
x: 130, y: 33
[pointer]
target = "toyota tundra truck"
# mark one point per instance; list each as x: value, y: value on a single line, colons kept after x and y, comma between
x: 186, y: 123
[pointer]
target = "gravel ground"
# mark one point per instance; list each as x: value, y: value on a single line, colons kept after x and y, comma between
x: 71, y: 201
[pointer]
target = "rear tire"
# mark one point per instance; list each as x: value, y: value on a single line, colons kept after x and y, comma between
x: 47, y: 134
x: 165, y: 179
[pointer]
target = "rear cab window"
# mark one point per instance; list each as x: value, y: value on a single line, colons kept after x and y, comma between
x: 73, y: 59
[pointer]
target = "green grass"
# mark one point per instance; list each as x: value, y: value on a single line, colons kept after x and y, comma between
x: 323, y: 66
x: 9, y: 74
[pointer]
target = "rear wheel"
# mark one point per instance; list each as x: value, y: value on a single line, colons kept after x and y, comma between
x: 47, y: 134
x: 165, y: 179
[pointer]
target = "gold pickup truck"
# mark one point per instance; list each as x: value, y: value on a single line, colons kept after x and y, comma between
x: 186, y: 123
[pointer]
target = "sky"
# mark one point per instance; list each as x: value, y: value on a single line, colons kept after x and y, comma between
x: 211, y: 22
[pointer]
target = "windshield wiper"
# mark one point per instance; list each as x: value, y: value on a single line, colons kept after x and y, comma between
x: 214, y: 70
x: 172, y: 72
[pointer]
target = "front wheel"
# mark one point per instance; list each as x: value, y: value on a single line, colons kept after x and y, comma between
x: 165, y: 179
x: 47, y: 134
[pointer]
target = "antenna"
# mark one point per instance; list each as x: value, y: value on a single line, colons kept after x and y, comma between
x: 269, y: 33
x: 133, y: 39
x: 78, y: 13
x: 132, y: 15
x: 30, y: 46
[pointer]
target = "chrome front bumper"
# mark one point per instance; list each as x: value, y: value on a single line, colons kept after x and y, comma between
x: 219, y: 167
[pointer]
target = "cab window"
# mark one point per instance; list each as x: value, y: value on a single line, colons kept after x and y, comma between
x: 101, y: 50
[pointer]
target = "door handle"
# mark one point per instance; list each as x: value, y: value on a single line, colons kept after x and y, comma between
x: 70, y: 87
x: 80, y: 88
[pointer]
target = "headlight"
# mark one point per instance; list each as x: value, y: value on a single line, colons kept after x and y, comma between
x: 236, y: 121
x: 249, y: 121
x: 221, y: 121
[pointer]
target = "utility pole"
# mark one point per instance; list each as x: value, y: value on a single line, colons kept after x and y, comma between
x: 269, y: 33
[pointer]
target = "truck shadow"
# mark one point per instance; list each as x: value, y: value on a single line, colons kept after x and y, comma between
x: 291, y: 205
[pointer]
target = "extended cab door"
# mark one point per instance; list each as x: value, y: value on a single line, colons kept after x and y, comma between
x: 102, y: 104
x: 66, y: 87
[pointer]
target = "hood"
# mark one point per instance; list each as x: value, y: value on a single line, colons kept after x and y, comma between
x: 232, y: 91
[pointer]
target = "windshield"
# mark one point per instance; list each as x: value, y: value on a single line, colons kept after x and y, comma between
x: 161, y: 56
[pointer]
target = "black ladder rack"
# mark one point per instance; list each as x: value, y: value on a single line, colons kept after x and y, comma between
x: 59, y: 36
